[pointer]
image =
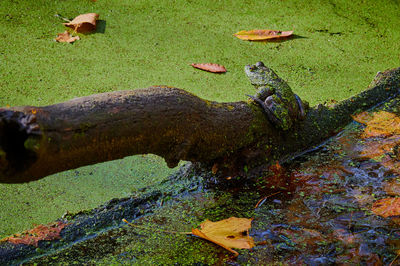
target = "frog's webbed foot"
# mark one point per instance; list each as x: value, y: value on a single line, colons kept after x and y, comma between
x: 270, y: 115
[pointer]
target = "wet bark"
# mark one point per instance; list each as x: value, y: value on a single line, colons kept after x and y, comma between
x: 174, y: 124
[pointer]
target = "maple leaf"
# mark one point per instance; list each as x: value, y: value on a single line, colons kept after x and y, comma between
x: 66, y: 37
x: 210, y: 67
x: 39, y: 233
x: 83, y: 23
x: 387, y: 207
x: 229, y: 233
x: 262, y: 35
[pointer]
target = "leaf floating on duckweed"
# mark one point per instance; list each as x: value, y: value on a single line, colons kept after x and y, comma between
x: 83, y: 23
x: 66, y: 37
x: 262, y: 35
x: 210, y: 67
x: 229, y: 233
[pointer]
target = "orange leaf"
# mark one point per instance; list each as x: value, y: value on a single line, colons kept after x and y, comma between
x: 363, y: 117
x: 41, y: 232
x: 66, y: 37
x: 214, y: 68
x: 261, y: 35
x: 380, y: 124
x: 387, y: 207
x: 229, y: 233
x: 83, y: 23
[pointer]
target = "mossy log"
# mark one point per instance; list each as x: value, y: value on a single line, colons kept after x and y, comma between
x: 170, y: 122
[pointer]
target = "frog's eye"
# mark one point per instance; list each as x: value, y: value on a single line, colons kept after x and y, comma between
x: 252, y: 68
x: 260, y: 64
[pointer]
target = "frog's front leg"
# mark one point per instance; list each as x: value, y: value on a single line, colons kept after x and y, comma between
x: 302, y: 108
x: 264, y: 92
x: 267, y: 109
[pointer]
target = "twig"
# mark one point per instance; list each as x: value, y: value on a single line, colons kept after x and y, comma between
x: 394, y: 260
x: 261, y: 201
x: 61, y: 17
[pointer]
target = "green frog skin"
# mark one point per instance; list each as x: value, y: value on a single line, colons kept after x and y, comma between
x: 282, y: 107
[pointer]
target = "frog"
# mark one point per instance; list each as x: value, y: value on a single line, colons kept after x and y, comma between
x: 282, y: 107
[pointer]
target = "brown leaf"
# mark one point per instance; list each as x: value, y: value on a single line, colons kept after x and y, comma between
x: 392, y: 187
x: 386, y: 126
x: 229, y: 233
x: 387, y: 207
x: 373, y: 149
x: 41, y: 232
x: 214, y: 68
x: 66, y: 37
x: 83, y: 23
x: 262, y: 35
x: 385, y: 150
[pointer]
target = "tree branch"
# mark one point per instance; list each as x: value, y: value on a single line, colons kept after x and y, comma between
x: 39, y: 141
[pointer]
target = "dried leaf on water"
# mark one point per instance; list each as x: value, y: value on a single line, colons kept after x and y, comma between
x: 392, y: 187
x: 210, y: 67
x: 229, y: 233
x: 376, y: 148
x: 385, y: 126
x: 83, y: 23
x: 41, y: 232
x: 262, y: 35
x: 379, y: 124
x: 66, y: 37
x: 387, y: 207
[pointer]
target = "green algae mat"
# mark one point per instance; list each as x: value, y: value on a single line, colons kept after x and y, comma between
x: 338, y: 48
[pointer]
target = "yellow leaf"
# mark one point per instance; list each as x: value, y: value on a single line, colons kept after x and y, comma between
x: 380, y: 124
x: 261, y: 35
x: 229, y: 233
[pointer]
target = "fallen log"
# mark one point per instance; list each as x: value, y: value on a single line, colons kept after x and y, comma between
x: 170, y: 122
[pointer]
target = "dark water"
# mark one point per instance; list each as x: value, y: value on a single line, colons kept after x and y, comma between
x: 327, y: 211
